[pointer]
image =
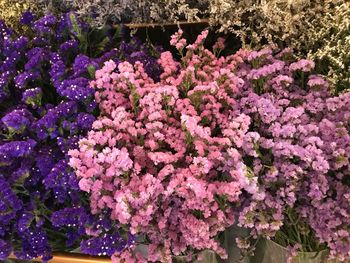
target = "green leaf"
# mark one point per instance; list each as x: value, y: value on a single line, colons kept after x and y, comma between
x: 92, y: 70
x: 222, y: 201
x: 75, y: 26
x: 135, y: 98
x: 101, y: 46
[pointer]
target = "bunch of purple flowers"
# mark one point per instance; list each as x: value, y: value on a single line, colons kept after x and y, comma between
x: 46, y: 106
x: 299, y: 147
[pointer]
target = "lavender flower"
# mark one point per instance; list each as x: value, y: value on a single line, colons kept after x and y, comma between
x: 300, y: 152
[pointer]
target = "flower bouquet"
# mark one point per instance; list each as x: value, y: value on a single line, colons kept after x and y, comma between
x: 163, y: 157
x: 46, y: 106
x: 298, y: 147
x: 145, y: 156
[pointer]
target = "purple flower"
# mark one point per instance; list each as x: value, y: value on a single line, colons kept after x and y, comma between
x: 61, y: 180
x: 23, y: 80
x: 3, y: 87
x: 36, y: 57
x: 44, y: 24
x: 9, y: 203
x: 266, y: 70
x: 35, y: 243
x: 24, y: 222
x: 40, y: 41
x: 20, y: 44
x: 15, y: 149
x: 5, y: 249
x: 80, y: 64
x: 112, y: 54
x: 69, y: 47
x: 46, y: 159
x: 48, y: 106
x: 17, y: 120
x: 300, y: 153
x: 58, y: 69
x: 65, y: 144
x: 70, y: 217
x: 48, y: 125
x: 85, y: 120
x: 22, y: 172
x: 32, y: 97
x: 66, y: 109
x: 76, y: 89
x: 5, y: 32
x: 106, y: 245
x: 27, y: 18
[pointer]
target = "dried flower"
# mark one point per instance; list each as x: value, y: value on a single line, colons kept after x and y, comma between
x: 163, y: 156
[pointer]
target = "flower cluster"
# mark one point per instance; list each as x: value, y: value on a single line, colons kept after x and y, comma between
x: 163, y: 156
x: 12, y: 11
x: 47, y: 105
x: 318, y: 29
x: 298, y: 147
x: 256, y: 134
x: 102, y: 12
x: 117, y: 146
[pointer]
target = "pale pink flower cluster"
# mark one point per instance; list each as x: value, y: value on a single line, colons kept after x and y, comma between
x: 219, y: 44
x: 177, y: 40
x: 164, y: 157
x: 304, y: 65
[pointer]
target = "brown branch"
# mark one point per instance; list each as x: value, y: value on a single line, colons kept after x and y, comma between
x: 167, y: 24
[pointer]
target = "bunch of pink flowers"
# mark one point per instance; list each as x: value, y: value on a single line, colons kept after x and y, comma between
x: 255, y: 135
x: 164, y: 157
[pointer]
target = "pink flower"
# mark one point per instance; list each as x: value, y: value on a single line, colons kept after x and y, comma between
x: 302, y: 65
x: 85, y: 185
x: 219, y: 44
x: 170, y: 158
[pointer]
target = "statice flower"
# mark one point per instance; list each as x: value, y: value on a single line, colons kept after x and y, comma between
x: 47, y: 106
x: 17, y: 120
x: 10, y: 203
x: 32, y: 97
x: 163, y: 156
x: 299, y: 149
x: 25, y: 79
x: 16, y: 149
x: 27, y: 18
x: 106, y: 245
x: 76, y: 89
x: 5, y: 249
